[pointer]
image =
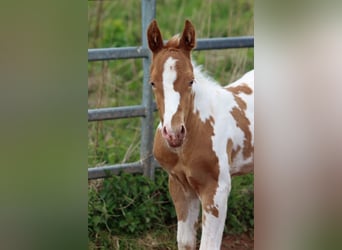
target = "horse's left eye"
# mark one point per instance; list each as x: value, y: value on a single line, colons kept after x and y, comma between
x: 191, y: 82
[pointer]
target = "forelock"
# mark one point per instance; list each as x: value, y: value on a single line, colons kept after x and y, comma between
x: 173, y: 42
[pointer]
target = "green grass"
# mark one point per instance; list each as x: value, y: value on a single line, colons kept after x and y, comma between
x: 133, y: 212
x: 119, y: 83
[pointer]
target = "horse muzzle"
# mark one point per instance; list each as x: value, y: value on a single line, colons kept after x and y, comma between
x: 174, y: 137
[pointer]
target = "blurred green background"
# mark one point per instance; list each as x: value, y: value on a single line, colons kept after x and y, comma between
x: 128, y: 211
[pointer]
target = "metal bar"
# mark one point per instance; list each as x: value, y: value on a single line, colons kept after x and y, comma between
x: 116, y: 113
x: 148, y: 13
x: 148, y: 164
x: 107, y: 171
x: 141, y: 52
x: 116, y: 53
x: 225, y: 43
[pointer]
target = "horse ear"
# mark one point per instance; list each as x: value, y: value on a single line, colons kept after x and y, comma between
x: 188, y: 39
x: 155, y: 40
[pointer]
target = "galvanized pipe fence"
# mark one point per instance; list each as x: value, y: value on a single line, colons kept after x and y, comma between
x: 147, y: 163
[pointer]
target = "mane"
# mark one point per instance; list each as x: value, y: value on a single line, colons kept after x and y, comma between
x: 202, y: 77
x: 206, y: 92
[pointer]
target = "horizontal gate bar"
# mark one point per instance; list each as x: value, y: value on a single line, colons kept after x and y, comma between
x: 116, y: 113
x: 116, y: 53
x: 225, y: 43
x: 107, y: 171
x: 139, y: 52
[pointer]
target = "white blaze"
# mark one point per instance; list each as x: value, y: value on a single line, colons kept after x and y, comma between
x: 171, y: 97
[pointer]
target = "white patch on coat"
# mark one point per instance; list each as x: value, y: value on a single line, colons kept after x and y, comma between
x: 237, y: 138
x: 186, y: 231
x: 211, y: 100
x: 212, y: 231
x: 171, y: 97
x: 247, y: 79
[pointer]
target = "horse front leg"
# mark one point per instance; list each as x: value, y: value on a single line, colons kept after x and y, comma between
x: 187, y: 208
x: 214, y: 210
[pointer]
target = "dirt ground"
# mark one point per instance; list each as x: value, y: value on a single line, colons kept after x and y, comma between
x: 237, y: 242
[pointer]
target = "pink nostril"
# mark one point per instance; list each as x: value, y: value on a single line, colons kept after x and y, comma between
x: 182, y: 130
x: 174, y: 136
x: 164, y: 130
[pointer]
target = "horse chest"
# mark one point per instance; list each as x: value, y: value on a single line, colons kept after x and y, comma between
x: 196, y: 151
x: 193, y: 166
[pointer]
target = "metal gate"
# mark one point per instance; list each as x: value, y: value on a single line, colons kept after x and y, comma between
x: 147, y: 164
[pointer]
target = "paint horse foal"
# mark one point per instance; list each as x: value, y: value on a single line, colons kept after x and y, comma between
x: 205, y: 135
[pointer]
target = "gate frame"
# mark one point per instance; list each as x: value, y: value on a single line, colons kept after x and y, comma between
x: 147, y: 163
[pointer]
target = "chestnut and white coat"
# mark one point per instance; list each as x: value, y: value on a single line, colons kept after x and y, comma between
x: 205, y: 135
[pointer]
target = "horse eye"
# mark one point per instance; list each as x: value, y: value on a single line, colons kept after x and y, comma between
x: 152, y: 84
x: 191, y: 82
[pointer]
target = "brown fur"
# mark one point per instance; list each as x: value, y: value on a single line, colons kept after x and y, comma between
x: 242, y: 122
x: 186, y: 168
x: 240, y: 89
x: 193, y: 167
x: 240, y: 117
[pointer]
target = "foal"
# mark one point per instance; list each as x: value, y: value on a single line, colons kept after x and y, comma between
x: 205, y: 135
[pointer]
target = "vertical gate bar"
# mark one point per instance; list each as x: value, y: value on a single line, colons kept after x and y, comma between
x: 148, y: 9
